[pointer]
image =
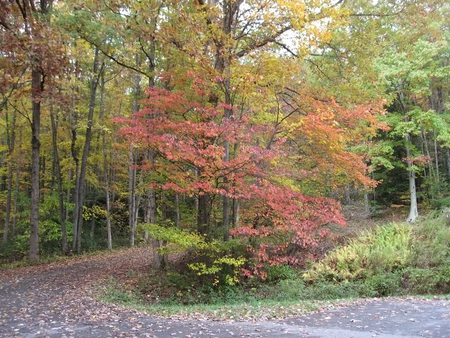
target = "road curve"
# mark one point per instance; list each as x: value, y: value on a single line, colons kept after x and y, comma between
x: 49, y: 302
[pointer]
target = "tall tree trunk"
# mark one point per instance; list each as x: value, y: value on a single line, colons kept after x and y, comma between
x: 17, y: 184
x: 72, y: 173
x: 37, y: 89
x: 222, y: 65
x: 106, y: 164
x: 80, y: 187
x: 132, y: 171
x: 437, y: 104
x: 131, y: 194
x: 11, y: 140
x: 159, y: 261
x: 137, y: 206
x: 134, y: 200
x: 37, y: 85
x: 228, y: 112
x: 8, y: 203
x: 434, y: 179
x: 436, y: 164
x: 57, y: 170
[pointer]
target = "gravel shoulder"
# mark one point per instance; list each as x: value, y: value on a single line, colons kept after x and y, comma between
x: 54, y: 301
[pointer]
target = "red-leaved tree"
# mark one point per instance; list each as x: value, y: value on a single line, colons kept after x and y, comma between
x: 187, y: 135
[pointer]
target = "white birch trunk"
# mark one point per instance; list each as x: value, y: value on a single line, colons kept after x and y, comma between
x: 413, y: 211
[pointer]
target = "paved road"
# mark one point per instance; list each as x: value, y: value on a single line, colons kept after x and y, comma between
x: 48, y: 303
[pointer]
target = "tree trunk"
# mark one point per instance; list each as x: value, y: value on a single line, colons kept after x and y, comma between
x: 366, y: 203
x: 437, y: 104
x: 236, y: 207
x: 72, y: 173
x: 37, y: 89
x: 57, y: 170
x: 17, y: 185
x: 204, y: 213
x: 80, y: 187
x: 11, y: 140
x: 222, y: 65
x: 433, y: 177
x: 136, y: 208
x: 150, y: 217
x: 436, y: 164
x: 106, y: 164
x: 447, y: 153
x: 177, y: 211
x: 131, y: 194
x: 37, y: 83
x: 132, y: 171
x: 108, y: 219
x: 413, y: 211
x: 8, y: 204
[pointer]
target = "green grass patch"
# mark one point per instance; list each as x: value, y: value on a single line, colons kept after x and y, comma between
x: 231, y: 307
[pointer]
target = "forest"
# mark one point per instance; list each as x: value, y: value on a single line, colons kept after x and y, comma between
x: 234, y: 129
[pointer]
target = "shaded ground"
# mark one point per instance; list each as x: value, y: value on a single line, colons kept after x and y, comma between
x: 54, y: 301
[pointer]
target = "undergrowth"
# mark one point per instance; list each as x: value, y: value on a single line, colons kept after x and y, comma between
x: 397, y: 259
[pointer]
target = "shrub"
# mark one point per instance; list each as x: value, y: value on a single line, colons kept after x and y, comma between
x: 213, y: 262
x: 326, y: 290
x: 384, y: 284
x: 419, y: 280
x: 433, y: 243
x: 427, y: 281
x: 384, y: 249
x: 277, y: 273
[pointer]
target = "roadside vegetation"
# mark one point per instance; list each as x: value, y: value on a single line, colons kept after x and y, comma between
x: 378, y: 258
x: 394, y: 259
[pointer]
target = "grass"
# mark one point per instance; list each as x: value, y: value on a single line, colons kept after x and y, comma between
x: 250, y: 309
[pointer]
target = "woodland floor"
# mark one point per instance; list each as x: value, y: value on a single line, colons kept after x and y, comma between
x: 56, y: 300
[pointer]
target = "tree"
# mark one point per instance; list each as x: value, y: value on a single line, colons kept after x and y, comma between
x: 410, y: 68
x: 188, y: 137
x: 97, y: 70
x: 26, y: 28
